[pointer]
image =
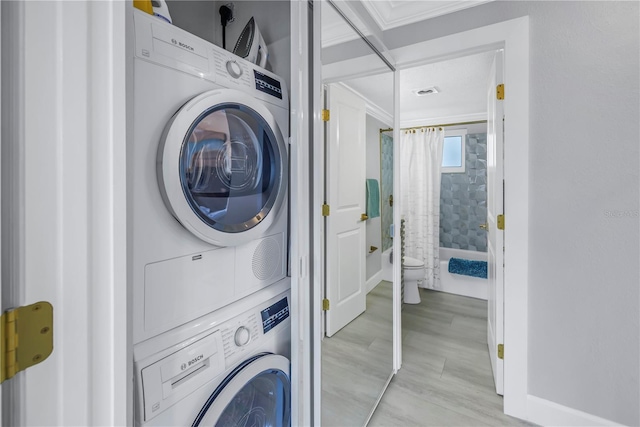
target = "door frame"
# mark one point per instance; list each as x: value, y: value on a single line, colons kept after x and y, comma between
x: 73, y: 78
x: 513, y: 37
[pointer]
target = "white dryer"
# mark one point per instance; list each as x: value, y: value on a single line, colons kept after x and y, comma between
x: 208, y: 173
x: 231, y: 368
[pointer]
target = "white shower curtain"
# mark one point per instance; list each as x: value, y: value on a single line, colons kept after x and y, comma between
x: 420, y: 162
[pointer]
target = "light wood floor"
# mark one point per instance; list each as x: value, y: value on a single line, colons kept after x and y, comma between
x: 446, y: 378
x: 357, y: 362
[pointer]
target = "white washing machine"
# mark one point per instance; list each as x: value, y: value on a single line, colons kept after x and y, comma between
x: 208, y: 167
x: 230, y: 368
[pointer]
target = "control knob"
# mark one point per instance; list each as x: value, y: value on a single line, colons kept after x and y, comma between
x: 234, y: 69
x: 242, y: 336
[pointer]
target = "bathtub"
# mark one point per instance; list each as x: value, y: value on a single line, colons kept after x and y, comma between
x: 387, y: 266
x: 458, y: 284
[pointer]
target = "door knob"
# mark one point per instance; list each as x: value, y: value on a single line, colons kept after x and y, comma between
x: 364, y: 217
x: 484, y: 226
x: 391, y: 200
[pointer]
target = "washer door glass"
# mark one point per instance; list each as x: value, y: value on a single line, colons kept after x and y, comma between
x: 257, y: 393
x: 230, y: 168
x: 264, y: 401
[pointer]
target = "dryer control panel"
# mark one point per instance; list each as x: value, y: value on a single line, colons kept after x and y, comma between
x: 159, y: 42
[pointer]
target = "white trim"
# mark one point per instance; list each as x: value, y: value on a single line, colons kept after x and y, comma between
x: 373, y: 109
x: 300, y: 219
x: 111, y: 351
x: 513, y: 36
x: 546, y: 413
x: 374, y: 281
x: 397, y: 250
x: 315, y: 300
x: 444, y: 120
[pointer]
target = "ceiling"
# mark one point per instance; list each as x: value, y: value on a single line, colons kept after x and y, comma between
x: 462, y: 85
x: 461, y: 81
x: 387, y: 14
x: 395, y: 13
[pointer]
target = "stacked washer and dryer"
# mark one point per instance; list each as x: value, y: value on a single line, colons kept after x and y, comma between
x: 208, y: 174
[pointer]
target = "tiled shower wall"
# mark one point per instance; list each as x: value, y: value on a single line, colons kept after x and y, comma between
x: 386, y: 182
x: 463, y: 200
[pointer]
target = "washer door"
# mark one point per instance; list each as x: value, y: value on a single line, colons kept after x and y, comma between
x: 257, y: 393
x: 222, y: 167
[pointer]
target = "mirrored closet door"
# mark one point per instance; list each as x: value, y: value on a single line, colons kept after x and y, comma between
x: 357, y: 322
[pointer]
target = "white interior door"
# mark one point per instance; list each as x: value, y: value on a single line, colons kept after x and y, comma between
x: 64, y: 240
x: 495, y: 207
x: 345, y: 230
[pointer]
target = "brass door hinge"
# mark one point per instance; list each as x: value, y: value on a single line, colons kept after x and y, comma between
x: 325, y: 210
x: 27, y: 338
x: 500, y: 221
x: 325, y: 115
x: 500, y: 91
x: 501, y: 351
x: 325, y: 304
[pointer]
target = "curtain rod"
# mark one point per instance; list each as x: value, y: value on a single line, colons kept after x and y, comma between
x: 437, y: 126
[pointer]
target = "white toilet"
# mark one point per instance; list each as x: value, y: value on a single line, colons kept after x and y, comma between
x: 413, y: 270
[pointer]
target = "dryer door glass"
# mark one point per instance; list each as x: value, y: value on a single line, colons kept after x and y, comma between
x: 263, y: 401
x: 230, y: 168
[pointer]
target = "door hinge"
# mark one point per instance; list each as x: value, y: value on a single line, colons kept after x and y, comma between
x: 501, y: 351
x: 500, y: 221
x: 325, y: 304
x: 325, y: 115
x: 500, y: 91
x: 325, y: 210
x: 27, y: 338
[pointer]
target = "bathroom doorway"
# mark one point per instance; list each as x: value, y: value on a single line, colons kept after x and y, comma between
x: 511, y: 36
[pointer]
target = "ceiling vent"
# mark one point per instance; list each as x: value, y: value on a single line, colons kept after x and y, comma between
x: 426, y: 91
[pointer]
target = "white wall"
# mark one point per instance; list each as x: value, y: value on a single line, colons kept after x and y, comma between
x: 584, y: 196
x: 195, y: 16
x: 374, y: 231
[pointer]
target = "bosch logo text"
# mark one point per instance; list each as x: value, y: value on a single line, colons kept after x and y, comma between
x: 182, y: 45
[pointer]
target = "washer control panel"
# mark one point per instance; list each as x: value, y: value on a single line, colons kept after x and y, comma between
x: 232, y: 69
x: 203, y: 351
x: 239, y: 332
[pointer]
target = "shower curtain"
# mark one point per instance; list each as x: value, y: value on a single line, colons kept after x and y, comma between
x: 420, y: 162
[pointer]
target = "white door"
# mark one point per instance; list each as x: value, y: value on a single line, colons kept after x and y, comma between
x: 64, y: 207
x: 495, y: 207
x: 345, y: 228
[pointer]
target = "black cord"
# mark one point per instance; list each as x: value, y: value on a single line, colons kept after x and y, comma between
x: 226, y: 14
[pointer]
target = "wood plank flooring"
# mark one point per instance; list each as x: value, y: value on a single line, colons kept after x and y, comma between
x: 446, y: 377
x: 357, y: 362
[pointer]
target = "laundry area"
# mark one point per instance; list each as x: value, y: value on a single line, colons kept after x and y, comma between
x: 208, y: 188
x: 209, y: 209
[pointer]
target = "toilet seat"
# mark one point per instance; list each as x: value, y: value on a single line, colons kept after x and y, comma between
x: 412, y: 263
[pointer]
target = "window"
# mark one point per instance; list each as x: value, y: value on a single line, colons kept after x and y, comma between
x: 453, y: 159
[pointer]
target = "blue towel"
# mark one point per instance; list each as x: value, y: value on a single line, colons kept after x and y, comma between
x: 373, y: 198
x: 468, y: 267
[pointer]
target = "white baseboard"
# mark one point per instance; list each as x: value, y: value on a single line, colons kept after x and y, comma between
x: 546, y: 413
x: 375, y: 279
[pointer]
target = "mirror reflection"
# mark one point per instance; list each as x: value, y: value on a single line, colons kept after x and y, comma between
x: 357, y: 345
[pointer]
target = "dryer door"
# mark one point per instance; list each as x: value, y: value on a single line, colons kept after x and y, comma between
x: 256, y: 393
x: 222, y: 167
